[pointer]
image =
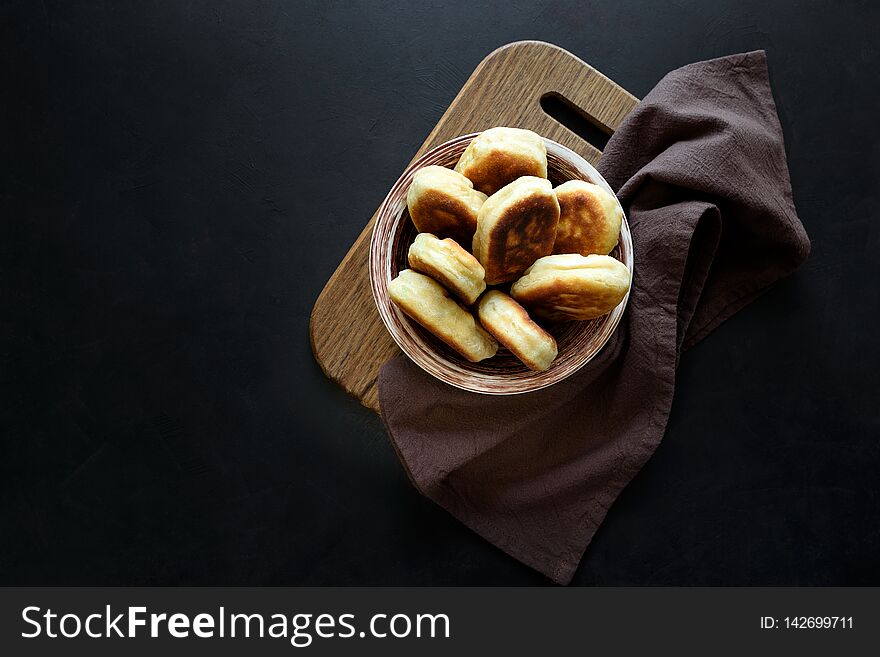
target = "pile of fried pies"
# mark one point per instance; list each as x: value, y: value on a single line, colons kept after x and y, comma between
x: 500, y: 249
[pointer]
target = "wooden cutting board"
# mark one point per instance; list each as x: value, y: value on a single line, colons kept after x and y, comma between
x: 348, y: 339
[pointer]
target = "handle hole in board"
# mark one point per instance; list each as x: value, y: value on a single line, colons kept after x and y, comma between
x: 563, y: 111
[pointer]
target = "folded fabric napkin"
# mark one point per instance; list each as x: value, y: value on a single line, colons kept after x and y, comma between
x: 700, y: 168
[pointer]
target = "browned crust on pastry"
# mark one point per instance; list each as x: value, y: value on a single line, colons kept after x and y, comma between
x: 446, y: 216
x: 585, y: 226
x: 492, y: 172
x: 525, y: 232
x: 573, y: 293
x: 585, y: 301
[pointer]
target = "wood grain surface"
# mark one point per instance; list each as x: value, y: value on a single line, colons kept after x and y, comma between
x: 348, y: 339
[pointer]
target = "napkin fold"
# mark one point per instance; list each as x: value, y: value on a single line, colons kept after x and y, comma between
x: 701, y: 171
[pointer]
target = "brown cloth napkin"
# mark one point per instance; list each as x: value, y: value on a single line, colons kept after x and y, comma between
x: 700, y: 168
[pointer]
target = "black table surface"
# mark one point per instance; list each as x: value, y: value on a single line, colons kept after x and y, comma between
x: 179, y: 180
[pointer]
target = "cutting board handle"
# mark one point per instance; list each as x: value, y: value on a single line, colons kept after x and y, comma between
x: 570, y: 115
x: 520, y: 74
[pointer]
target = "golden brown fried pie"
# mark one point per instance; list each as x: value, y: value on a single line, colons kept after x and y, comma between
x: 515, y: 227
x: 589, y: 219
x: 429, y: 304
x: 498, y: 156
x: 511, y: 325
x: 445, y: 203
x: 572, y: 286
x: 448, y: 264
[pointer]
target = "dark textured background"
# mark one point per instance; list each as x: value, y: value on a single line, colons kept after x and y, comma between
x: 179, y: 179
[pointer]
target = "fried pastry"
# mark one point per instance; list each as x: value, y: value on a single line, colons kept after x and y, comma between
x: 510, y: 324
x: 515, y: 227
x: 589, y: 219
x: 498, y: 156
x: 572, y: 286
x: 448, y: 264
x: 429, y: 304
x: 445, y: 203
